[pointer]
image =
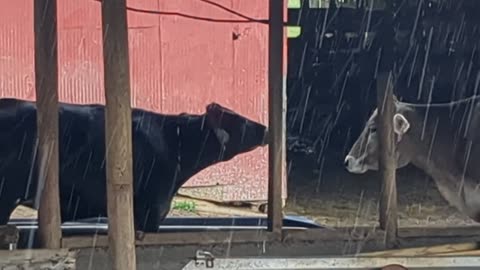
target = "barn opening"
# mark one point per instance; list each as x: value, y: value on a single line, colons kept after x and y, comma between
x: 331, y: 95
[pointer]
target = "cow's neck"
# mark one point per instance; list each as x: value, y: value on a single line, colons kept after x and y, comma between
x: 436, y: 153
x: 196, y: 148
x: 447, y: 179
x: 457, y: 187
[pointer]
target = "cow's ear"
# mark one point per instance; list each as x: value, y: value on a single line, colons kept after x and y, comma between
x: 400, y: 124
x: 214, y: 118
x: 213, y: 115
x: 221, y: 135
x: 395, y: 99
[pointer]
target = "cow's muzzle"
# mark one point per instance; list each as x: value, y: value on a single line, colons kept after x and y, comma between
x: 353, y: 165
x: 266, y: 137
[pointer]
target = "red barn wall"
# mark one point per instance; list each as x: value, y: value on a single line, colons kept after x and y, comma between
x: 177, y: 64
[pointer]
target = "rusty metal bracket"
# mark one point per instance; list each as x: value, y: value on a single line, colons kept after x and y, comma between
x: 204, y: 258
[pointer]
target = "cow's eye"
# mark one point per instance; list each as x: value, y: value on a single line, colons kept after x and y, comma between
x: 373, y: 129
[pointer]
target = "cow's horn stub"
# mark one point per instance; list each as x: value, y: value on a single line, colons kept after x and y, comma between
x: 213, y: 107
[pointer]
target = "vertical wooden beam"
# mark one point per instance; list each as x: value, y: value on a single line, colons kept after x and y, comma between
x: 387, y: 159
x: 46, y: 90
x: 276, y: 115
x: 386, y: 109
x: 118, y: 135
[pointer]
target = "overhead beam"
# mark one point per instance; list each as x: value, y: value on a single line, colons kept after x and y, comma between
x: 118, y: 135
x: 46, y: 91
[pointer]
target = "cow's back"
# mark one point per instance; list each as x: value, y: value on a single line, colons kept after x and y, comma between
x: 17, y: 133
x: 83, y: 164
x: 17, y: 138
x: 82, y: 160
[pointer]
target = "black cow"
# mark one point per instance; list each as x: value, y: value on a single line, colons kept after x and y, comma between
x: 167, y: 151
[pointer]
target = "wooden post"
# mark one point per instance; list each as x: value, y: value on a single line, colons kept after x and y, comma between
x: 46, y: 90
x: 384, y: 44
x: 118, y: 135
x: 276, y: 115
x: 387, y: 159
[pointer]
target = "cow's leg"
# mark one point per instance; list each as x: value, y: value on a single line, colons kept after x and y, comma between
x: 141, y: 217
x: 149, y: 216
x: 140, y: 213
x: 471, y: 199
x: 69, y: 208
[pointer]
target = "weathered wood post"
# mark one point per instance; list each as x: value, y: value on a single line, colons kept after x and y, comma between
x: 277, y: 116
x: 118, y: 135
x: 386, y: 109
x: 387, y: 161
x: 46, y: 90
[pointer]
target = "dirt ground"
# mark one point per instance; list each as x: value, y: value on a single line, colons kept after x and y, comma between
x: 336, y: 198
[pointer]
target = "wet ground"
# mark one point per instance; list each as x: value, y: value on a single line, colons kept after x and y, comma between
x: 338, y: 198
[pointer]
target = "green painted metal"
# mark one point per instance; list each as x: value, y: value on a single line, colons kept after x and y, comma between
x: 294, y: 31
x: 294, y: 4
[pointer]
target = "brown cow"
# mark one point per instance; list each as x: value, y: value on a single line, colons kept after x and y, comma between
x: 441, y: 139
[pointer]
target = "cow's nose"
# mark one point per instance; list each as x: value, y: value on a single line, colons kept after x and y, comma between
x: 265, y: 137
x: 347, y: 161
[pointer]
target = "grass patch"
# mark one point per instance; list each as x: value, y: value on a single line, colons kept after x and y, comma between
x: 188, y: 206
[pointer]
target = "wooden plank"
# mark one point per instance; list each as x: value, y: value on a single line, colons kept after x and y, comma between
x: 339, y: 263
x: 475, y: 252
x: 387, y: 160
x: 358, y: 233
x: 118, y: 135
x: 340, y: 234
x: 424, y: 251
x: 446, y: 231
x: 231, y: 236
x: 277, y: 107
x: 44, y: 259
x: 178, y: 238
x: 288, y: 235
x: 46, y: 90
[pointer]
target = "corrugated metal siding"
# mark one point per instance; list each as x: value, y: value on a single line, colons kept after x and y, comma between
x: 177, y: 64
x: 16, y: 53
